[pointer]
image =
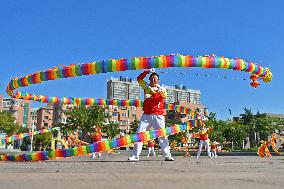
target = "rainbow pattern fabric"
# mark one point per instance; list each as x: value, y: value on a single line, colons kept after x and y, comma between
x: 21, y: 136
x: 103, y: 145
x: 115, y: 65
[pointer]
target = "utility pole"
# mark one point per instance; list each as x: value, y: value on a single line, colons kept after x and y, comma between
x: 128, y: 123
x: 32, y: 139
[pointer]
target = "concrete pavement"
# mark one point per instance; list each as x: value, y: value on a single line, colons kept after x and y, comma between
x: 114, y: 171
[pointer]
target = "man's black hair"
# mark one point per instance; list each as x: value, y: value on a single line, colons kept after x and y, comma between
x: 154, y: 74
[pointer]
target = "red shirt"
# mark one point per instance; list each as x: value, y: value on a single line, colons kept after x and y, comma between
x: 213, y: 147
x: 151, y: 144
x: 154, y: 96
x: 203, y: 134
x: 97, y: 136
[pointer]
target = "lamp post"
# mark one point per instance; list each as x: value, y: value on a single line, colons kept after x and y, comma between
x: 32, y: 139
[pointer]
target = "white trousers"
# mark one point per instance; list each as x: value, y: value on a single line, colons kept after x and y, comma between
x: 206, y: 142
x: 214, y: 153
x: 146, y: 123
x: 94, y: 154
x: 151, y: 149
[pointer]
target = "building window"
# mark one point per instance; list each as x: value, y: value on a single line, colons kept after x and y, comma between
x: 123, y: 114
x: 114, y: 114
x: 6, y: 104
x: 45, y: 117
x: 15, y: 102
x: 134, y: 115
x: 45, y: 124
x: 63, y: 120
x: 124, y: 122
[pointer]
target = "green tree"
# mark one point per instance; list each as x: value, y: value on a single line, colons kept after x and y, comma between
x: 26, y: 140
x: 84, y: 118
x: 247, y: 119
x: 212, y: 117
x: 217, y: 133
x: 265, y: 126
x: 133, y: 126
x: 63, y: 129
x: 258, y: 126
x: 111, y: 129
x: 217, y: 128
x: 230, y: 134
x: 23, y: 130
x: 42, y: 140
x: 8, y: 124
x: 235, y: 133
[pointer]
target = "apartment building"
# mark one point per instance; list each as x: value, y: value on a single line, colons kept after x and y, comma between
x: 44, y: 117
x: 123, y: 88
x: 59, y: 116
x: 20, y: 109
x: 33, y: 116
x: 124, y: 115
x: 180, y: 93
x: 189, y: 98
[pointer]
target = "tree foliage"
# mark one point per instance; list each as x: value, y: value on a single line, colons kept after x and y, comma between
x: 134, y: 126
x: 111, y: 129
x: 42, y: 140
x: 233, y: 133
x: 84, y: 118
x: 8, y: 124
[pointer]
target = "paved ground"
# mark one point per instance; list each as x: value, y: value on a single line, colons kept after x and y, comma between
x: 114, y: 171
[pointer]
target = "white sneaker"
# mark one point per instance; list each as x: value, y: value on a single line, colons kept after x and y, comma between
x: 93, y: 156
x: 169, y: 158
x: 133, y: 158
x: 99, y: 155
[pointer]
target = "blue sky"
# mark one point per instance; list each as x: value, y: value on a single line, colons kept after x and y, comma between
x: 37, y: 35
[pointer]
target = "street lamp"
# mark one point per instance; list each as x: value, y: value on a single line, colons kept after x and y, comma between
x: 33, y: 128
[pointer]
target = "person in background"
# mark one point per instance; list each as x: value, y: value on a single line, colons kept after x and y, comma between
x: 204, y: 139
x: 151, y: 147
x: 96, y: 137
x: 214, y: 147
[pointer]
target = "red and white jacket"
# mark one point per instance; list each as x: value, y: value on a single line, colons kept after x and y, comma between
x: 155, y: 95
x: 203, y: 133
x: 97, y: 136
x: 213, y: 147
x: 151, y: 143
